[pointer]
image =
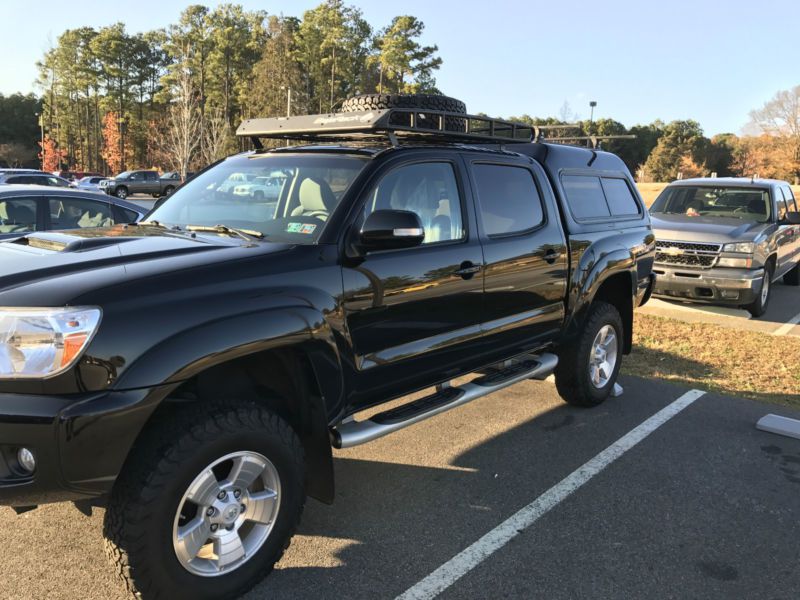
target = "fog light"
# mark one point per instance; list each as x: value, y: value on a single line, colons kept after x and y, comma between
x: 26, y: 460
x: 730, y: 294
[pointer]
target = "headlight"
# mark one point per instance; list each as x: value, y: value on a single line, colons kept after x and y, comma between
x: 742, y: 247
x: 40, y: 342
x: 736, y: 263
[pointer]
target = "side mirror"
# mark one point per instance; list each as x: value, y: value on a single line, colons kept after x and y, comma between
x: 391, y: 230
x: 792, y: 218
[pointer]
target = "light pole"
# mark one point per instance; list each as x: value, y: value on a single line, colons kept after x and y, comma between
x: 41, y: 127
x: 288, y: 100
x: 592, y: 104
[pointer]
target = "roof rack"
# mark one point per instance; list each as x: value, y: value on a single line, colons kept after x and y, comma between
x: 408, y: 124
x: 592, y: 141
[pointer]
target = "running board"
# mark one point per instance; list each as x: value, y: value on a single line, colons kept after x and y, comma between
x: 351, y: 433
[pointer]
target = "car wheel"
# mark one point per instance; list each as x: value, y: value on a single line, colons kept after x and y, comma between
x: 258, y: 195
x: 207, y: 504
x: 759, y: 306
x: 168, y: 190
x: 588, y: 366
x: 793, y: 276
x: 121, y: 192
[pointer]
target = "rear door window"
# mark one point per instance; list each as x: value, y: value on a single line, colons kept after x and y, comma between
x: 79, y: 213
x: 17, y: 215
x: 509, y: 199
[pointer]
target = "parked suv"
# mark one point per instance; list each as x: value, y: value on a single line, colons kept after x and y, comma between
x: 140, y: 182
x: 199, y: 368
x: 725, y: 240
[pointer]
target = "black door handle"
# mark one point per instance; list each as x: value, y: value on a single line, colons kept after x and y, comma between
x: 551, y: 256
x: 467, y: 270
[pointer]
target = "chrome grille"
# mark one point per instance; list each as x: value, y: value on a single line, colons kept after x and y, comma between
x: 687, y: 254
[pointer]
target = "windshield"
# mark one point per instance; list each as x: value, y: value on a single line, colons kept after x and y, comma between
x: 286, y: 197
x: 123, y: 175
x: 747, y: 204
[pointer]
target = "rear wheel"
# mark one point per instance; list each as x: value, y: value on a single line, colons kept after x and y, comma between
x: 793, y: 276
x: 207, y: 504
x: 759, y: 306
x: 589, y: 365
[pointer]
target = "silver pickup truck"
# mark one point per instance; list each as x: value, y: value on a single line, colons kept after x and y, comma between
x: 726, y: 240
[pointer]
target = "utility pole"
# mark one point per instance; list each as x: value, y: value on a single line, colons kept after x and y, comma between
x: 41, y: 126
x: 333, y: 74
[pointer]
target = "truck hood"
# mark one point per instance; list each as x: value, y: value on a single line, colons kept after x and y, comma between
x: 705, y: 229
x: 109, y: 255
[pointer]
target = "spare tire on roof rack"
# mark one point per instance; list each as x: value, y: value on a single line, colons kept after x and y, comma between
x: 412, y: 101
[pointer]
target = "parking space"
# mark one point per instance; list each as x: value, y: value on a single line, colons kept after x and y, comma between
x: 782, y: 316
x: 704, y: 506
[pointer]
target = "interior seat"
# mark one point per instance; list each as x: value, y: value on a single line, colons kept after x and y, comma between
x: 316, y: 199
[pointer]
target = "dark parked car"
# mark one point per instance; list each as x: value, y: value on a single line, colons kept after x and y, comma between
x: 25, y: 209
x: 34, y: 178
x: 141, y: 182
x: 199, y: 367
x: 725, y: 240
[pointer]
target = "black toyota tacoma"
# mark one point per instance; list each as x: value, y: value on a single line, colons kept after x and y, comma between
x: 195, y: 371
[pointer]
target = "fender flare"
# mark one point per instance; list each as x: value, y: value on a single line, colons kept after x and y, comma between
x: 591, y: 273
x: 191, y: 352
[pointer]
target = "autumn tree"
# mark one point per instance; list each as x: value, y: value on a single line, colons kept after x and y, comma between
x: 780, y: 118
x: 51, y: 155
x: 112, y: 150
x: 681, y: 145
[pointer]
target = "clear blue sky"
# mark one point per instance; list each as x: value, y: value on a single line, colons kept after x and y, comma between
x: 708, y: 60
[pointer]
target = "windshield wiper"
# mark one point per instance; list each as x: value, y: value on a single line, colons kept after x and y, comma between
x: 245, y: 234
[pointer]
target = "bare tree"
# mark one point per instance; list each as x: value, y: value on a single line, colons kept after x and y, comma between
x: 780, y: 117
x: 216, y: 131
x: 181, y: 138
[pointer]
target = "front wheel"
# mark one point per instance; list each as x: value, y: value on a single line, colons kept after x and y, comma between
x: 759, y: 306
x: 588, y: 366
x: 121, y: 192
x: 206, y: 507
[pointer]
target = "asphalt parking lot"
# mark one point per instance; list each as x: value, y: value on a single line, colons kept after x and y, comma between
x: 704, y: 506
x: 782, y: 316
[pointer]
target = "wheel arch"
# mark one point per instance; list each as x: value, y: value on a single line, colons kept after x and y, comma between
x: 297, y: 374
x: 612, y: 278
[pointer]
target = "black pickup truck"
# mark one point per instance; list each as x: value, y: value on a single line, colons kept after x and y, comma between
x: 142, y: 182
x: 196, y: 370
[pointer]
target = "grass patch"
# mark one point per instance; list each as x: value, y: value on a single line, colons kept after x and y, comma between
x: 748, y: 364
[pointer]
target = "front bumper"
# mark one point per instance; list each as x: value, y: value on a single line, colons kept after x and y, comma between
x: 717, y: 285
x: 80, y: 443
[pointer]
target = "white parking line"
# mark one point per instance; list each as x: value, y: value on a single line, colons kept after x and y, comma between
x: 463, y: 562
x: 788, y: 326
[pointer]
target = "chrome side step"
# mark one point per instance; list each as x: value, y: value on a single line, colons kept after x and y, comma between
x: 351, y: 433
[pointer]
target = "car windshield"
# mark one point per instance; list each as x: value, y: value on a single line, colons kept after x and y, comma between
x: 747, y: 204
x: 307, y: 188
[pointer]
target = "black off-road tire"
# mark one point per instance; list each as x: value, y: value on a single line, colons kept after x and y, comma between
x: 417, y: 101
x: 793, y: 276
x: 573, y: 381
x: 759, y: 306
x: 139, y: 519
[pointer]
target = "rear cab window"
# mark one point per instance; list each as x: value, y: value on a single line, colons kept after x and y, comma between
x: 600, y: 197
x: 509, y: 200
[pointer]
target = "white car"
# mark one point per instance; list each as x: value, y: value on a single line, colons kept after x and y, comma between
x: 261, y: 188
x: 93, y: 183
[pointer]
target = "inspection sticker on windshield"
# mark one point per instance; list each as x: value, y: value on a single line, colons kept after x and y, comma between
x: 305, y: 228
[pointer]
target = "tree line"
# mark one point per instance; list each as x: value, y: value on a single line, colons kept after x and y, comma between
x: 172, y: 98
